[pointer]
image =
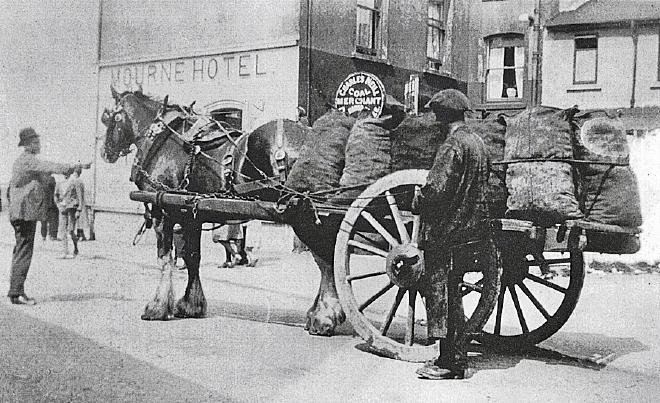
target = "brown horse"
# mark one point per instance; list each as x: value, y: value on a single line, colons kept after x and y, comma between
x: 223, y: 157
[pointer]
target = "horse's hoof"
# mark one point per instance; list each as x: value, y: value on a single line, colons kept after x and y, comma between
x: 154, y: 316
x: 323, y: 318
x: 184, y: 309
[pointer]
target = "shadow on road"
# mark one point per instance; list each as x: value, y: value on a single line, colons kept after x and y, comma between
x: 260, y: 313
x: 585, y: 350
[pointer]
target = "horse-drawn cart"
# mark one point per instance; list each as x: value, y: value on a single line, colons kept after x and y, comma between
x: 519, y: 302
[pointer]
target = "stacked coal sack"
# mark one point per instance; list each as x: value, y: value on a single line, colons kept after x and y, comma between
x: 367, y: 157
x: 415, y: 142
x: 368, y: 151
x: 541, y: 191
x: 322, y: 158
x: 612, y: 193
x: 492, y: 131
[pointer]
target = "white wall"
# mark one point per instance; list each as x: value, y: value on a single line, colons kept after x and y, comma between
x: 614, y: 77
x: 648, y: 84
x: 615, y: 68
x: 148, y: 29
x: 264, y: 83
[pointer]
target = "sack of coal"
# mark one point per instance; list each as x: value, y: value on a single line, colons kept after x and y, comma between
x: 602, y: 139
x: 492, y: 131
x: 415, y: 142
x: 612, y: 196
x: 611, y: 192
x: 367, y: 156
x: 540, y: 132
x: 542, y: 192
x: 321, y: 161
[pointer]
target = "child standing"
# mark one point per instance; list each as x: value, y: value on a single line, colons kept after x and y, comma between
x: 68, y: 197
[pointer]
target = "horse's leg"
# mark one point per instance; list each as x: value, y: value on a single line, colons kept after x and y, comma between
x: 160, y: 307
x: 326, y: 313
x: 193, y: 302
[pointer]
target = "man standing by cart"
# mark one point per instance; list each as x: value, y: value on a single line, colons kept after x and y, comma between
x: 452, y: 207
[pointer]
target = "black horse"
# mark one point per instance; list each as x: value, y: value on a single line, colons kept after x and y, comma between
x: 180, y: 150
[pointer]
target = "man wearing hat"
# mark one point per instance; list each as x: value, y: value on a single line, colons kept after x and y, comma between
x: 452, y: 205
x: 27, y: 205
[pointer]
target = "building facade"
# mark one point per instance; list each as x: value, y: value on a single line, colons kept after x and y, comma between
x: 250, y: 62
x: 604, y: 54
x: 497, y: 53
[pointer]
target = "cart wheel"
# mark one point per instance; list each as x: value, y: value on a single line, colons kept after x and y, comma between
x: 377, y: 265
x: 536, y: 298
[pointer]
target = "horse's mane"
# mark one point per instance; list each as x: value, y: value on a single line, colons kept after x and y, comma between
x: 147, y: 99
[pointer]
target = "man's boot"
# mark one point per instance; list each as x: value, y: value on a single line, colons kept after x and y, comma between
x: 450, y: 364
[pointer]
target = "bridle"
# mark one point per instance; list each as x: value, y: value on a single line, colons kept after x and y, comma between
x: 115, y: 120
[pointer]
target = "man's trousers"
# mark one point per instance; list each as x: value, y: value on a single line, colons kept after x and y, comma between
x: 22, y: 257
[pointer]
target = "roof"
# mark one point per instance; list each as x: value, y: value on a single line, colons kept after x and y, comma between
x: 605, y: 12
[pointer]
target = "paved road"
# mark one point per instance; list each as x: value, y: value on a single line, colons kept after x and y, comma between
x: 84, y: 340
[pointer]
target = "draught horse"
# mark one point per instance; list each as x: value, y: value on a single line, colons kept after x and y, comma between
x: 177, y: 150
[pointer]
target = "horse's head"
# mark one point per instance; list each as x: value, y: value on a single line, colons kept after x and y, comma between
x: 125, y: 122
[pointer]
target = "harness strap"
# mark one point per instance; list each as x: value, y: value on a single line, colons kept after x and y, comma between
x: 280, y: 153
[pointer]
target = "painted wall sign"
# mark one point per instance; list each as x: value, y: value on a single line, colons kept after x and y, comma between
x: 361, y: 91
x: 221, y: 69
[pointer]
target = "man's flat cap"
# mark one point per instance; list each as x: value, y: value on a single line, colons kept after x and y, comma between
x: 450, y: 99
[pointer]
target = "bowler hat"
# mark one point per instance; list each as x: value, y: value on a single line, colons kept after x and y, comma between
x: 450, y: 99
x: 26, y: 135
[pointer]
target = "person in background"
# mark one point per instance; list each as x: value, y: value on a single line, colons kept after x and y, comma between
x: 83, y: 221
x: 232, y: 238
x: 49, y: 226
x: 27, y: 205
x: 68, y: 197
x: 452, y: 207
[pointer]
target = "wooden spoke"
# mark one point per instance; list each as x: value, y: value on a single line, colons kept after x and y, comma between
x: 365, y: 275
x: 469, y: 287
x: 374, y: 297
x: 410, y: 323
x: 396, y: 214
x: 534, y: 300
x: 546, y: 283
x: 368, y: 248
x: 500, y: 307
x: 385, y: 326
x: 378, y: 227
x: 414, y: 238
x: 516, y: 303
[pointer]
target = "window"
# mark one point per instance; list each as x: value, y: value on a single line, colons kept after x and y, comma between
x: 505, y: 68
x: 435, y: 33
x: 369, y: 31
x: 585, y: 63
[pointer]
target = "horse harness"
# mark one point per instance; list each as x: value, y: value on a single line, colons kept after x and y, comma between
x: 162, y: 129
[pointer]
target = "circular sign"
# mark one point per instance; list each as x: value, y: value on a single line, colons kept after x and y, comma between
x: 361, y: 91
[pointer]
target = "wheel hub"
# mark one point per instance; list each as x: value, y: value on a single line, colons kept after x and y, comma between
x: 405, y: 265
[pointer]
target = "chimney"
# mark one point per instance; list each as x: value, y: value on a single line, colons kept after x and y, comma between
x: 570, y: 5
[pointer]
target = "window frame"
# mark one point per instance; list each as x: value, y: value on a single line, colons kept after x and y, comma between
x: 575, y: 53
x: 432, y: 63
x: 517, y: 42
x: 378, y: 34
x: 658, y: 76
